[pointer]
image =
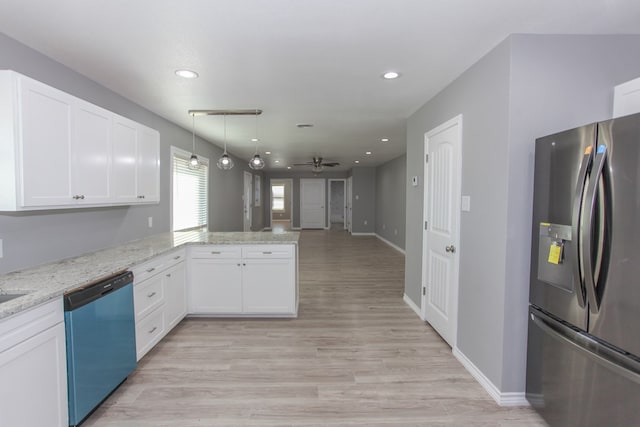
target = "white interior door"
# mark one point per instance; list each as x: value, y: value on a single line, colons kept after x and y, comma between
x: 348, y: 203
x: 312, y: 198
x: 440, y: 262
x: 246, y: 197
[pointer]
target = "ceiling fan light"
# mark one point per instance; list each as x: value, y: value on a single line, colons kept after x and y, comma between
x: 256, y: 162
x: 317, y: 168
x: 225, y: 162
x: 194, y: 163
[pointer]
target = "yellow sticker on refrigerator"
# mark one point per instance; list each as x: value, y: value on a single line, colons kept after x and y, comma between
x: 555, y: 253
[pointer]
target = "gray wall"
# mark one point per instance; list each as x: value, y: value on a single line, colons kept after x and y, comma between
x: 295, y: 176
x: 391, y: 192
x: 363, y: 200
x: 33, y: 238
x: 528, y: 86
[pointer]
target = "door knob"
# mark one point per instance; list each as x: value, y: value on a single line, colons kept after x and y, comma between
x: 451, y: 249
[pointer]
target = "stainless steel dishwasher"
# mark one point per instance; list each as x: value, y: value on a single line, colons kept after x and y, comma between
x: 101, y: 343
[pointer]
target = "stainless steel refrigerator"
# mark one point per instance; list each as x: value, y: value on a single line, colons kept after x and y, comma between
x: 583, y: 356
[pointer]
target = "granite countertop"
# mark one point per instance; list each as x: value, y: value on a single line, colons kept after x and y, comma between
x: 49, y: 281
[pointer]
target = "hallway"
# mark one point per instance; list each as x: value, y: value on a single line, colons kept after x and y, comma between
x: 356, y: 356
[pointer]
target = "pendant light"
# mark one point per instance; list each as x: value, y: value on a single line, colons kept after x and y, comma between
x: 194, y: 163
x: 225, y: 162
x: 256, y: 162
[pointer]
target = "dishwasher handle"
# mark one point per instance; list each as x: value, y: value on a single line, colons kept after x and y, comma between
x: 87, y: 294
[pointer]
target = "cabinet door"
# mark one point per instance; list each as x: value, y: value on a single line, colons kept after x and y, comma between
x: 33, y: 390
x: 123, y: 172
x: 91, y: 154
x: 148, y: 165
x: 176, y: 294
x: 46, y: 123
x: 268, y: 286
x: 215, y: 286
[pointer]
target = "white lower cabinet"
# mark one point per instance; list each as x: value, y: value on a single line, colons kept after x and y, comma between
x: 159, y: 297
x: 33, y: 370
x: 242, y: 280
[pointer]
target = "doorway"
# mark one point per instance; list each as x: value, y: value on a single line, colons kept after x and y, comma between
x: 246, y: 198
x: 441, y: 237
x: 349, y: 202
x: 281, y: 204
x: 337, y: 204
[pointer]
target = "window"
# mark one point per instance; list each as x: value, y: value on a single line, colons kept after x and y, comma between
x: 190, y: 204
x: 277, y: 198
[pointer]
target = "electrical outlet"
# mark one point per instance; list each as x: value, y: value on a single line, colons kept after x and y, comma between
x: 395, y: 231
x: 150, y: 221
x: 1, y: 253
x: 384, y: 226
x: 365, y: 222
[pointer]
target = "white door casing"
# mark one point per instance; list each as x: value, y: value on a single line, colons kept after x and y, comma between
x: 349, y: 191
x: 441, y: 237
x: 312, y: 198
x: 246, y: 197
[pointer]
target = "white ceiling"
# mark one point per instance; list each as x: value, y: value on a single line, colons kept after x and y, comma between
x: 300, y: 61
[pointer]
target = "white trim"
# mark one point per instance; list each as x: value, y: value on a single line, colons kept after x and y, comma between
x: 502, y: 399
x: 363, y: 234
x: 412, y: 305
x: 266, y: 229
x: 296, y: 228
x: 394, y: 246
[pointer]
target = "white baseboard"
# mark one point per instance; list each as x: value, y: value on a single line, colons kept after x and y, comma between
x: 412, y: 305
x: 363, y: 234
x: 266, y: 229
x: 393, y: 245
x: 502, y: 399
x: 296, y: 228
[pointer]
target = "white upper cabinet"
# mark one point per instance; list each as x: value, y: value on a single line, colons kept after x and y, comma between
x: 59, y: 151
x: 136, y: 162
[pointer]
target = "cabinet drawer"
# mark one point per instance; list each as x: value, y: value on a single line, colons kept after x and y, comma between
x: 149, y: 331
x: 267, y: 251
x: 216, y: 251
x: 148, y: 295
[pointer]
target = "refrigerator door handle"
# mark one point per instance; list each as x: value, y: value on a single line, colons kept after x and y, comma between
x: 575, y: 225
x: 589, y: 269
x: 610, y: 359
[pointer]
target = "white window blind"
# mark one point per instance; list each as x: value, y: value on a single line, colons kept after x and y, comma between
x: 277, y: 199
x: 190, y: 189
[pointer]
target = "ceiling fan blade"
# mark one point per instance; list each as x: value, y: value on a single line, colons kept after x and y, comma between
x: 303, y: 164
x: 331, y: 164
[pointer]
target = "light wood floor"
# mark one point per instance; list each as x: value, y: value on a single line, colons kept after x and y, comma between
x: 356, y: 356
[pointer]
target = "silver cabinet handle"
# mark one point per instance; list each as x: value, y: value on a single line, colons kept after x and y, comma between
x: 153, y: 329
x: 169, y: 275
x: 215, y: 252
x: 151, y: 295
x: 151, y: 269
x: 177, y: 257
x: 267, y: 253
x: 451, y: 249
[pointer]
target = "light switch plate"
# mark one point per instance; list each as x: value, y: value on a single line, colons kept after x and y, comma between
x: 150, y: 221
x: 1, y: 254
x: 414, y: 181
x: 466, y: 204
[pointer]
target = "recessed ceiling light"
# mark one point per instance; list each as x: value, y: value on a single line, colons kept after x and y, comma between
x: 187, y: 74
x: 390, y: 75
x: 254, y: 140
x: 267, y: 152
x: 357, y: 161
x: 277, y: 161
x: 367, y: 152
x: 384, y: 140
x: 304, y: 125
x: 288, y: 167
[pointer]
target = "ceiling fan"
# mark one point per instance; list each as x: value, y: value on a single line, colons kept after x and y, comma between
x: 317, y: 164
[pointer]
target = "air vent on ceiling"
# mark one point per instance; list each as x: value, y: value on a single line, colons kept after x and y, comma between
x: 304, y: 125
